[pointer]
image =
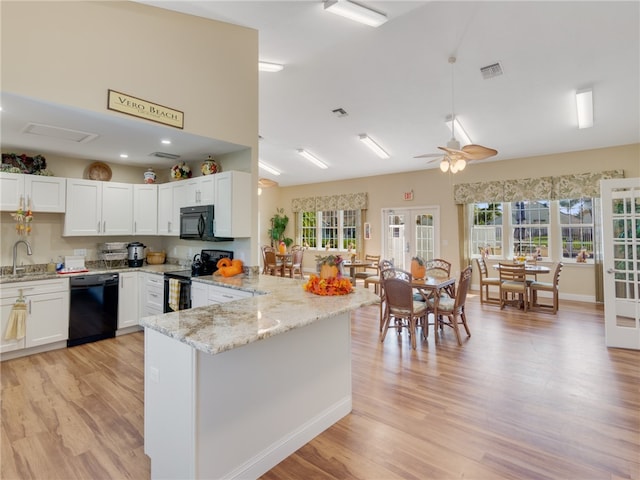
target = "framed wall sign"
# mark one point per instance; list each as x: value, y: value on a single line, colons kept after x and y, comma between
x: 367, y: 231
x: 121, y: 102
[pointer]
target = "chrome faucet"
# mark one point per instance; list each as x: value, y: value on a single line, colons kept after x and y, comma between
x: 15, y: 254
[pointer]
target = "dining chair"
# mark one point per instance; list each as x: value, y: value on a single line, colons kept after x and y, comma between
x: 400, y: 306
x: 271, y: 265
x: 513, y: 280
x: 438, y: 267
x: 375, y: 279
x: 295, y: 265
x: 264, y: 249
x: 486, y: 281
x: 453, y: 308
x: 535, y: 287
x: 371, y: 270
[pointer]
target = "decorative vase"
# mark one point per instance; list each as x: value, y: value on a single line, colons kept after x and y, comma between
x: 417, y: 271
x: 209, y: 166
x: 150, y: 176
x: 282, y: 248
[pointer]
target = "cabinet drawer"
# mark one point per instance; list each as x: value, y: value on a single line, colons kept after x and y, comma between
x: 8, y: 290
x: 222, y: 294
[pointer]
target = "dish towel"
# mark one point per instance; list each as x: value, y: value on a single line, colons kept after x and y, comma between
x: 16, y: 326
x: 174, y: 294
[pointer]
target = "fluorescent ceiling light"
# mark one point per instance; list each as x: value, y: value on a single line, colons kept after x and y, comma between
x: 269, y: 67
x: 458, y: 131
x: 377, y: 149
x: 268, y: 168
x: 355, y: 11
x: 584, y: 104
x: 311, y: 158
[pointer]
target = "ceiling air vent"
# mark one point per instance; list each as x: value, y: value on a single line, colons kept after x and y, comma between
x: 340, y: 112
x: 171, y: 156
x: 491, y: 71
x: 59, y: 132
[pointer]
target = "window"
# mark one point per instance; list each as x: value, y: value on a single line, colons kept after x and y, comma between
x: 330, y: 229
x: 530, y: 221
x: 576, y: 225
x: 486, y: 228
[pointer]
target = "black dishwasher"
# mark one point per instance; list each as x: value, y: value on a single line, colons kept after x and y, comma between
x: 93, y: 308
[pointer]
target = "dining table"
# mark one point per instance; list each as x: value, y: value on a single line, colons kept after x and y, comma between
x: 432, y: 288
x: 283, y: 259
x: 352, y: 266
x: 531, y: 269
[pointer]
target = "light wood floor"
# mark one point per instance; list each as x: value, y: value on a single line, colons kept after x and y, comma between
x: 528, y: 396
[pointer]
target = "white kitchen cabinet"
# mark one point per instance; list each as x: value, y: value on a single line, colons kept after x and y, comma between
x: 199, y: 294
x: 46, y: 194
x: 151, y: 294
x: 168, y: 214
x: 47, y: 304
x: 145, y: 209
x: 128, y: 300
x: 232, y: 205
x: 98, y: 208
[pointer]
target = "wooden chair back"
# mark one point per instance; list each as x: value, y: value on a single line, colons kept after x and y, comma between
x: 511, y: 272
x: 438, y: 268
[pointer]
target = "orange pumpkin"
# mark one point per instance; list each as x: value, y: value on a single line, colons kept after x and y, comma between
x: 328, y: 271
x: 417, y: 270
x: 223, y: 262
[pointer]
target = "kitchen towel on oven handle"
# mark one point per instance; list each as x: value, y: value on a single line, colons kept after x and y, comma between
x: 174, y: 294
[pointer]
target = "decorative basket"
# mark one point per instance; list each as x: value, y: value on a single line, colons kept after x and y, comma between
x: 156, y: 258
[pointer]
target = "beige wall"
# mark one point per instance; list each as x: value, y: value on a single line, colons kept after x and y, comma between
x: 433, y: 188
x: 76, y: 51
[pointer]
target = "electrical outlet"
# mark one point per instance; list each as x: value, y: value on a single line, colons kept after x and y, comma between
x: 80, y: 251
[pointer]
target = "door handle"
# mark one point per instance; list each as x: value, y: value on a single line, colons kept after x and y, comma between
x: 98, y: 226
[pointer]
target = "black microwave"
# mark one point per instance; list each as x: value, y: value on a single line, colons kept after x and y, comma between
x: 198, y: 223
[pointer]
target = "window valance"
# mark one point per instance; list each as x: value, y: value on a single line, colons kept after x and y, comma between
x: 346, y: 201
x: 552, y: 188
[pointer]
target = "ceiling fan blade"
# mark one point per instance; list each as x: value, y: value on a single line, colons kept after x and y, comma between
x: 428, y: 155
x: 478, y: 152
x: 455, y: 154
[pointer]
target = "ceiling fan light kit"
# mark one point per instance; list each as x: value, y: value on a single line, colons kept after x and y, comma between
x: 584, y: 106
x: 355, y: 11
x: 375, y: 148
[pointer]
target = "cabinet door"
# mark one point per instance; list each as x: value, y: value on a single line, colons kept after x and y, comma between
x: 167, y: 224
x: 11, y: 189
x: 84, y: 207
x: 6, y: 304
x: 117, y: 209
x: 145, y: 209
x: 128, y: 300
x: 205, y: 190
x: 47, y: 194
x: 199, y: 294
x: 184, y: 194
x: 232, y: 204
x: 48, y: 319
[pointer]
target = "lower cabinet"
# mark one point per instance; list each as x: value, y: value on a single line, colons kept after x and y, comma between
x: 128, y: 300
x: 47, y: 321
x: 151, y: 294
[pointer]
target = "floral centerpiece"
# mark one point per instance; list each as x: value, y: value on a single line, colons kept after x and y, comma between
x: 180, y: 171
x: 329, y: 280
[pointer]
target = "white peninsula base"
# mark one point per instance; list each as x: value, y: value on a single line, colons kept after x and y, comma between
x: 238, y: 413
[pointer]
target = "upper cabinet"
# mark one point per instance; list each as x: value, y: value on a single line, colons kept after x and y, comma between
x: 98, y: 208
x: 232, y: 205
x: 145, y: 209
x: 168, y: 211
x: 196, y: 191
x: 42, y: 193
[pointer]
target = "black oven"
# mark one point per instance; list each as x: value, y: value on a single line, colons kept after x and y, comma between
x: 198, y: 223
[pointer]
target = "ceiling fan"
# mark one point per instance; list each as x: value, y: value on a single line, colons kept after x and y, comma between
x: 456, y: 158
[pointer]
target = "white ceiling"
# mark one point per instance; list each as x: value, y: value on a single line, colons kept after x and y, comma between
x: 395, y: 84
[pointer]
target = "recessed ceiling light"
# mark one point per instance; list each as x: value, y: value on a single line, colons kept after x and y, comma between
x: 355, y: 11
x: 124, y: 155
x: 166, y: 141
x: 584, y: 105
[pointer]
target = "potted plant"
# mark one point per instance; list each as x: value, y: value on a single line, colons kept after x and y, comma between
x: 279, y: 224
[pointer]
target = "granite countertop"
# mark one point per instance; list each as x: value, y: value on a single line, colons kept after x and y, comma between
x: 28, y: 277
x: 280, y: 305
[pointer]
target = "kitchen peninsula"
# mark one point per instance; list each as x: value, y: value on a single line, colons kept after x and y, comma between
x: 232, y: 389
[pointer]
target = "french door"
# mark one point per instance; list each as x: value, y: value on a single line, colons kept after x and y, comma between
x: 409, y: 233
x: 621, y: 242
